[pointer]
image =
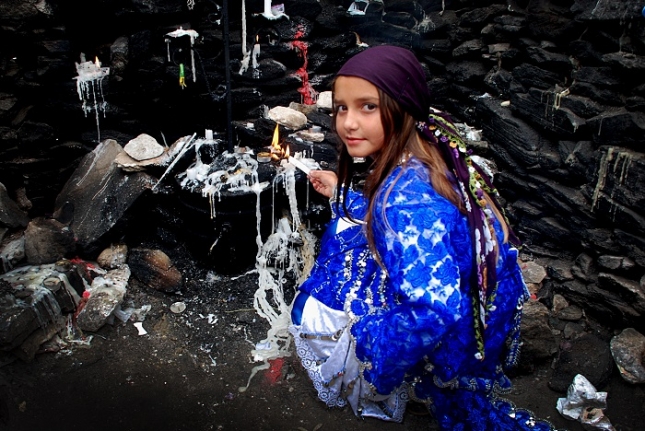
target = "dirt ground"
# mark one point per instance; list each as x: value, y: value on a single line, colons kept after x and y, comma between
x: 184, y: 374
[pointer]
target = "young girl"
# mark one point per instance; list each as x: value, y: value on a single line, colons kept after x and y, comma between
x: 416, y: 293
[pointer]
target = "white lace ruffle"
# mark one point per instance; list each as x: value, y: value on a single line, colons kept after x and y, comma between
x: 327, y: 352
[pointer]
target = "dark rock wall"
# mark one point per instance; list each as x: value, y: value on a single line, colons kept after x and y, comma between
x: 555, y: 86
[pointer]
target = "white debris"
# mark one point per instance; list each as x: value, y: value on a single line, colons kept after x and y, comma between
x: 139, y: 326
x: 585, y: 404
x: 324, y: 101
x: 177, y: 307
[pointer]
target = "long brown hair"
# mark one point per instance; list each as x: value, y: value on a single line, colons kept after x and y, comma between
x: 401, y: 141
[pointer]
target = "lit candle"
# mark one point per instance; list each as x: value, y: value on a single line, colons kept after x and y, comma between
x: 97, y: 62
x: 255, y: 54
x: 298, y: 164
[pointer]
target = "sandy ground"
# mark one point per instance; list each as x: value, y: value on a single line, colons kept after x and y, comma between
x: 185, y: 374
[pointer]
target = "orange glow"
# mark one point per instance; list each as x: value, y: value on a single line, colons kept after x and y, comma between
x: 276, y: 149
x: 275, y: 143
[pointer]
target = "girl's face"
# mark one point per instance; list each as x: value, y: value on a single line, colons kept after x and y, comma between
x: 358, y: 116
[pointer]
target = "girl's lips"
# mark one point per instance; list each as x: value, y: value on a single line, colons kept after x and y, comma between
x: 352, y: 141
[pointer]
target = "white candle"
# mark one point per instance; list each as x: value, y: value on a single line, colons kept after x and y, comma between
x: 255, y: 55
x: 267, y: 8
x: 298, y: 164
x: 209, y: 134
x: 243, y: 28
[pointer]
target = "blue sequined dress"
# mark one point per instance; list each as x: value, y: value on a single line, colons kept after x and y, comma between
x: 375, y: 338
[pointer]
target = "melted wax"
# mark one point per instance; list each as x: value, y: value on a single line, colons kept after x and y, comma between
x: 289, y: 250
x: 89, y: 85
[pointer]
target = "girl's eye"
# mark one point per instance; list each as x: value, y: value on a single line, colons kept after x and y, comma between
x: 370, y: 106
x: 340, y: 108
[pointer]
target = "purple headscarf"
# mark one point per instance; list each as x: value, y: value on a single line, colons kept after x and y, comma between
x: 397, y: 72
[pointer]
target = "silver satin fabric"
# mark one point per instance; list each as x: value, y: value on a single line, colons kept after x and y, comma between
x: 327, y: 351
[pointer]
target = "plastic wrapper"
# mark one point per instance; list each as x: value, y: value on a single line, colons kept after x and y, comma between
x: 586, y: 405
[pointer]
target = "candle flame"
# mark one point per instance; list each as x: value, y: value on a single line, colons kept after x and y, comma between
x: 277, y: 150
x: 275, y: 143
x: 97, y: 62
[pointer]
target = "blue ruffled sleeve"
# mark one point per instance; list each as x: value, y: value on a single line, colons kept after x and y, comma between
x: 336, y: 265
x: 415, y: 232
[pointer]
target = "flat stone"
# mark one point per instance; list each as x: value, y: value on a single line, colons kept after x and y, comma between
x: 143, y: 147
x: 571, y: 313
x: 533, y: 272
x: 113, y: 256
x: 288, y: 117
x: 628, y: 350
x: 155, y: 269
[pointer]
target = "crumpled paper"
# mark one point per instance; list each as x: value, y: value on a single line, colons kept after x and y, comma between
x: 584, y: 404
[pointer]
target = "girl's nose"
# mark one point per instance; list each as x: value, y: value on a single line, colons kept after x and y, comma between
x: 349, y: 120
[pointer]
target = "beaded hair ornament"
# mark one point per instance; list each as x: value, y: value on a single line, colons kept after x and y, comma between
x: 478, y: 194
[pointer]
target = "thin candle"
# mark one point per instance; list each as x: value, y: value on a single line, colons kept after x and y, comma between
x: 256, y: 53
x: 298, y: 164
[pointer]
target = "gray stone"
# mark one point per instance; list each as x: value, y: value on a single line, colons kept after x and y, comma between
x: 571, y: 313
x: 20, y: 10
x: 544, y: 110
x: 324, y: 101
x: 532, y: 76
x: 538, y: 342
x: 512, y: 139
x: 113, y: 257
x: 11, y: 215
x: 143, y: 147
x: 631, y: 291
x: 12, y: 251
x: 288, y: 117
x: 533, y: 272
x: 48, y: 240
x: 467, y: 72
x: 468, y: 48
x: 573, y: 330
x: 559, y: 303
x: 30, y: 303
x: 105, y: 294
x: 119, y: 58
x: 615, y: 262
x: 608, y: 124
x: 27, y: 350
x: 606, y: 11
x: 596, y: 75
x: 155, y: 269
x: 8, y: 105
x: 98, y: 194
x: 584, y: 267
x: 560, y: 270
x: 587, y: 355
x: 628, y: 350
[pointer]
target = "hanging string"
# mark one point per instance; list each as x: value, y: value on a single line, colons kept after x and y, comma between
x: 182, y: 76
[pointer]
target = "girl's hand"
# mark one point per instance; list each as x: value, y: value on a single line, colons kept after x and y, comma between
x: 324, y: 182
